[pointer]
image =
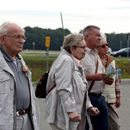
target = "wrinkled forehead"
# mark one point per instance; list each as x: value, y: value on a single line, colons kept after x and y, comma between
x: 14, y: 28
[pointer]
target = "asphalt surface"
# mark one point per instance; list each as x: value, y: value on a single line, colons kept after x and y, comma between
x: 124, y: 110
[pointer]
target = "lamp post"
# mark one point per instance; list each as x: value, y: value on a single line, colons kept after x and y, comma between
x: 62, y: 26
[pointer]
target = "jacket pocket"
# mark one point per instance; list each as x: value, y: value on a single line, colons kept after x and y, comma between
x: 4, y: 82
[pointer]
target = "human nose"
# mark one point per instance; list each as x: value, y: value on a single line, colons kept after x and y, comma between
x: 21, y: 40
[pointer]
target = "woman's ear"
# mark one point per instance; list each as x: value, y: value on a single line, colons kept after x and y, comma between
x: 71, y: 50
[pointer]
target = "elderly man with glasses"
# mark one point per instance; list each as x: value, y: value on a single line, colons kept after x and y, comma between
x: 18, y: 107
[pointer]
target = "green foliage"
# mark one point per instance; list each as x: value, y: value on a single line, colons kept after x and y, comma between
x: 117, y: 41
x: 124, y: 64
x: 37, y: 36
x: 36, y: 61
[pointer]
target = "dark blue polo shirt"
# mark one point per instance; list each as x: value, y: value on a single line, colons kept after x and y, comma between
x: 22, y: 84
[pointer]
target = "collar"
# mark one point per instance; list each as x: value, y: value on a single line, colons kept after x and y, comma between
x: 89, y: 50
x: 77, y: 62
x: 8, y: 57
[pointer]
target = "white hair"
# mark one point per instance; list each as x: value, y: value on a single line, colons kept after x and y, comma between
x: 4, y: 28
x: 103, y: 36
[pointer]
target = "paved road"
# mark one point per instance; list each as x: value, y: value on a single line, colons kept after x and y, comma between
x: 124, y: 110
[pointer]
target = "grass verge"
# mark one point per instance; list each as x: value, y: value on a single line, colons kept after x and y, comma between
x: 37, y: 62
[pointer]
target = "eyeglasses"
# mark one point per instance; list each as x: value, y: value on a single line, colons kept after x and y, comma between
x: 16, y: 36
x: 83, y: 47
x: 103, y: 46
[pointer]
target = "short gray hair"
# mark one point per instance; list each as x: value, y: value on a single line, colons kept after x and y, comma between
x: 72, y: 40
x: 89, y: 28
x: 4, y: 28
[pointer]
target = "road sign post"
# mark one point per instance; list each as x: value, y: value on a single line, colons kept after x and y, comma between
x: 47, y: 45
x: 47, y: 41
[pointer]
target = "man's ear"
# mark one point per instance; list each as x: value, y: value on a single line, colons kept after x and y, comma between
x: 1, y: 39
x: 86, y: 37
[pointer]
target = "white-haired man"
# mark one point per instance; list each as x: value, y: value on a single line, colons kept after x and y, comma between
x: 17, y: 101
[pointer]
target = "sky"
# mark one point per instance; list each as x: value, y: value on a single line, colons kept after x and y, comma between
x: 109, y: 15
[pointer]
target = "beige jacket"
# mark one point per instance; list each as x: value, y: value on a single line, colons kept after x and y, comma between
x: 68, y: 95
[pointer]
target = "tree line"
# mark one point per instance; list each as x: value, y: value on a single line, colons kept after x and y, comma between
x: 35, y: 38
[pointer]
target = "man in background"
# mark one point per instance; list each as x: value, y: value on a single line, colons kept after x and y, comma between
x: 95, y: 74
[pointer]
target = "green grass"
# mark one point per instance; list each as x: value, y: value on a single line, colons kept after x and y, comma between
x: 37, y: 61
x: 124, y: 64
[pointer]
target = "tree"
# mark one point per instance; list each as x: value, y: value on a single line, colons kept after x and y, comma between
x: 38, y: 35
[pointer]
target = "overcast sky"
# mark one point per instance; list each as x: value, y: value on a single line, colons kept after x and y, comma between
x: 109, y: 15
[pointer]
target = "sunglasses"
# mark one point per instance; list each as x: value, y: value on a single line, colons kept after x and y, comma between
x: 103, y: 46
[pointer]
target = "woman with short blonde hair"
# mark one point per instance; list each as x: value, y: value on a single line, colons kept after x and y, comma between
x: 67, y: 102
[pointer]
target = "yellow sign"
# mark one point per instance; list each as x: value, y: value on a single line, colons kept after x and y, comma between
x: 47, y: 41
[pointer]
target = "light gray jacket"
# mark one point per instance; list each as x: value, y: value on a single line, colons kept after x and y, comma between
x: 7, y: 98
x: 69, y: 93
